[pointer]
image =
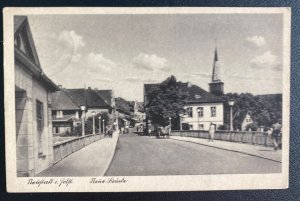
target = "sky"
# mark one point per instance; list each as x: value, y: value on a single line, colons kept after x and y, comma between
x: 122, y: 52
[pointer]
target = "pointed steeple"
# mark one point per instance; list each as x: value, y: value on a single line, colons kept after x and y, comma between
x: 216, y: 86
x: 216, y: 68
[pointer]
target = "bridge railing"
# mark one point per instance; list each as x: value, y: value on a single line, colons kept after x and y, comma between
x: 248, y: 137
x: 65, y: 148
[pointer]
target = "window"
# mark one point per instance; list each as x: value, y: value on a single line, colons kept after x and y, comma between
x: 59, y: 114
x: 40, y: 125
x: 189, y: 112
x: 200, y: 111
x: 213, y: 111
x: 190, y: 127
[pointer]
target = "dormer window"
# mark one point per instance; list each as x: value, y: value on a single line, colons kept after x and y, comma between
x: 197, y: 96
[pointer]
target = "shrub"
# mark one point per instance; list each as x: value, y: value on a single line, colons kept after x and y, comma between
x: 252, y: 126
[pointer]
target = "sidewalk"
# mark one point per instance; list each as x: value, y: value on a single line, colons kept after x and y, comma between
x: 254, y: 150
x: 92, y: 160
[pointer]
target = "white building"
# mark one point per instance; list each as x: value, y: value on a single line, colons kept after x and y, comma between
x: 205, y: 107
x: 202, y: 107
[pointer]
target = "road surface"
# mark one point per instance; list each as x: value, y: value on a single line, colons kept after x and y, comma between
x: 142, y: 155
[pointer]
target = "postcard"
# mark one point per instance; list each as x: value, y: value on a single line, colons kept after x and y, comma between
x: 146, y: 99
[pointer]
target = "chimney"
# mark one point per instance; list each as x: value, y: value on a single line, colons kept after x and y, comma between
x: 89, y: 88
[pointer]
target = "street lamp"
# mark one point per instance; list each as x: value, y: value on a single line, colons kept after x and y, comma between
x: 99, y: 124
x: 198, y: 111
x: 170, y: 121
x: 180, y: 120
x: 103, y: 120
x: 231, y: 103
x: 82, y: 108
x: 93, y: 113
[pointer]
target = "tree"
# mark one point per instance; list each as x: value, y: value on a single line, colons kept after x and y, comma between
x: 166, y: 100
x: 265, y: 110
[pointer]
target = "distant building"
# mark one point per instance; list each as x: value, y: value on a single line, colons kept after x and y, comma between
x: 89, y: 98
x: 33, y: 104
x: 138, y: 111
x: 246, y: 121
x: 65, y: 112
x: 108, y: 97
x: 209, y: 104
x: 122, y: 108
x: 123, y: 111
x: 210, y: 107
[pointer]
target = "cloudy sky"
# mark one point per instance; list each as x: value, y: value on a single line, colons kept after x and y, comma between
x: 122, y: 52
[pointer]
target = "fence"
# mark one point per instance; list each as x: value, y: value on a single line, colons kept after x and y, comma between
x: 65, y: 148
x: 248, y: 137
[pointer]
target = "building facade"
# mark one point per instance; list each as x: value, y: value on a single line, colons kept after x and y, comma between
x: 65, y: 113
x: 33, y: 105
x: 246, y: 121
x: 208, y: 113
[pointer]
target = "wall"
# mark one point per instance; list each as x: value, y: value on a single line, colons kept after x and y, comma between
x: 257, y: 138
x: 206, y: 119
x: 29, y: 162
x: 63, y: 149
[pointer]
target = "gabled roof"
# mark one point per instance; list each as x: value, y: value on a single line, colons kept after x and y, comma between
x: 198, y: 95
x: 123, y: 105
x: 61, y: 101
x: 27, y: 55
x: 195, y: 93
x: 106, y: 95
x: 86, y: 97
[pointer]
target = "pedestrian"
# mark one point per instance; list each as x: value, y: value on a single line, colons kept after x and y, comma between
x: 275, y: 134
x: 110, y: 133
x: 212, y: 130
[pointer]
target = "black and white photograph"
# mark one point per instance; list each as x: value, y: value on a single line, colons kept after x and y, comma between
x: 146, y: 99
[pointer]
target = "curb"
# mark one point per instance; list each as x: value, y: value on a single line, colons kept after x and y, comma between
x: 230, y: 150
x: 111, y: 158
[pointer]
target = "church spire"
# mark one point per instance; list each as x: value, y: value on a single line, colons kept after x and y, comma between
x: 216, y: 67
x: 216, y: 86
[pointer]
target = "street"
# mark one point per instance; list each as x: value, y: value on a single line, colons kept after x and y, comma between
x: 142, y: 155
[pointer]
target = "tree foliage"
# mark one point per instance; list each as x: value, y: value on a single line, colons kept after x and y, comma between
x: 166, y: 100
x: 265, y: 110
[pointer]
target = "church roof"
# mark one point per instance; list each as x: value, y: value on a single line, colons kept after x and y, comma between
x: 198, y: 95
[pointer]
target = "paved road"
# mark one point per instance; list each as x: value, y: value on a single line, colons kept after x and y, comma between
x: 141, y: 155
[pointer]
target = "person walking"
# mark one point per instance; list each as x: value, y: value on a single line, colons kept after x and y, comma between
x: 275, y: 134
x: 212, y: 130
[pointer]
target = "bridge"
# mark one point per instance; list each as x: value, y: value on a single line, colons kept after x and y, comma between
x: 184, y: 153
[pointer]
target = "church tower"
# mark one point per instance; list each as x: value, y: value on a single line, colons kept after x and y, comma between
x: 216, y: 86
